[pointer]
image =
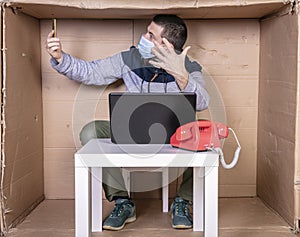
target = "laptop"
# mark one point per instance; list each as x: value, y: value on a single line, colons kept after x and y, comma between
x: 149, y: 118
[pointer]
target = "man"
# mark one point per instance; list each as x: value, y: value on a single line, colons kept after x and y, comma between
x: 158, y: 64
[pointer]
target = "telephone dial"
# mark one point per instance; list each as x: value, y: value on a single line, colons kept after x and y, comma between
x: 204, y: 135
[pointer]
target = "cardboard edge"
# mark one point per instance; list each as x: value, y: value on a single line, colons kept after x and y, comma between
x: 10, y: 212
x: 297, y: 149
x: 3, y: 226
x: 288, y: 217
x: 155, y: 4
x: 123, y: 9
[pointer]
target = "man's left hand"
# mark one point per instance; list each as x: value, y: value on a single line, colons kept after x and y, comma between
x: 167, y: 59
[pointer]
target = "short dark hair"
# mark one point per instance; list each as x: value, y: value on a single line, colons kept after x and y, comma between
x: 175, y: 30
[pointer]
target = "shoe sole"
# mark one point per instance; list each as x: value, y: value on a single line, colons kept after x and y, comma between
x: 128, y: 220
x: 181, y: 227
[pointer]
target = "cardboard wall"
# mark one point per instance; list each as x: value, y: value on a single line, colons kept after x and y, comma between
x: 277, y: 114
x: 2, y: 222
x: 142, y: 9
x: 23, y: 144
x: 297, y: 139
x: 67, y: 105
x: 229, y: 53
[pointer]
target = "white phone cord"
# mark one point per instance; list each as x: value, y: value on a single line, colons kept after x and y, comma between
x: 235, y: 157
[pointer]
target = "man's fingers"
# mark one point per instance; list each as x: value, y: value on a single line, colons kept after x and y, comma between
x: 158, y: 53
x: 184, y: 52
x: 167, y: 43
x: 50, y: 40
x: 54, y: 48
x: 53, y: 44
x: 155, y: 64
x: 50, y: 35
x: 162, y: 52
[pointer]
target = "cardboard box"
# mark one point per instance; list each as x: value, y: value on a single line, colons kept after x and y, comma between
x: 249, y: 52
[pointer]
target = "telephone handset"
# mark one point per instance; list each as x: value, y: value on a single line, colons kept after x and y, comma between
x: 203, y: 135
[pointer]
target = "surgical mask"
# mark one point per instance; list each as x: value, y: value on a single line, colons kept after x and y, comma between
x: 145, y: 47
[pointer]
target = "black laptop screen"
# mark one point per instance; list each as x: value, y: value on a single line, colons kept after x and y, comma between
x: 149, y: 118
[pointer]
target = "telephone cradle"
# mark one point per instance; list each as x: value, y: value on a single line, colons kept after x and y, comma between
x: 204, y: 135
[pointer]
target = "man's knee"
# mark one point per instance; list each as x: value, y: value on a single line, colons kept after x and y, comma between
x: 94, y: 129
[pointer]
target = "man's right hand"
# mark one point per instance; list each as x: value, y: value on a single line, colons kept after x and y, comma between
x: 53, y: 47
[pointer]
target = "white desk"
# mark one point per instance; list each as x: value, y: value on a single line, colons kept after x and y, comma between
x: 99, y: 153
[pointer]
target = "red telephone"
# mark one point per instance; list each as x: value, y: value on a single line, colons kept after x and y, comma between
x: 204, y: 135
x: 199, y: 135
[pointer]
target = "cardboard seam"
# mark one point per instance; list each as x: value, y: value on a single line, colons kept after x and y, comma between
x: 23, y: 215
x: 294, y: 6
x: 296, y: 228
x: 3, y: 227
x: 283, y: 11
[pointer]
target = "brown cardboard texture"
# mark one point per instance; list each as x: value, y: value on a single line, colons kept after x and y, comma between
x: 23, y: 142
x: 136, y: 9
x: 250, y: 59
x: 260, y: 221
x: 65, y: 97
x: 297, y: 150
x: 277, y: 114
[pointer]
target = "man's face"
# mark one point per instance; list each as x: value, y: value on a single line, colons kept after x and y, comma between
x: 154, y: 33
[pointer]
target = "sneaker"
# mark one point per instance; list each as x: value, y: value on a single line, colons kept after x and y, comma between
x: 123, y: 212
x: 181, y: 216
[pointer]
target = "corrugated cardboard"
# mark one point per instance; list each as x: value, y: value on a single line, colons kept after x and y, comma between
x: 136, y: 9
x: 297, y: 139
x: 238, y: 217
x: 238, y: 57
x: 23, y: 145
x: 2, y: 164
x: 226, y: 68
x: 277, y: 113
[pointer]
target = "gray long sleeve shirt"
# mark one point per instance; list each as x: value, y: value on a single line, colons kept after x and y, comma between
x: 137, y: 76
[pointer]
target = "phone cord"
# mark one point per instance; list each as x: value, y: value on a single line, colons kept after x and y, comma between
x: 236, y: 153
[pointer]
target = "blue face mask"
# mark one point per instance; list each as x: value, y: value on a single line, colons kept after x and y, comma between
x: 145, y: 47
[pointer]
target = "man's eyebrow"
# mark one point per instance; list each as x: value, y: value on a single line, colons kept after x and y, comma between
x: 151, y: 34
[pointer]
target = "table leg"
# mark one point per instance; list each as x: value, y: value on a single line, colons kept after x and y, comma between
x: 198, y: 199
x: 126, y: 177
x: 165, y: 189
x: 211, y: 202
x: 96, y: 175
x: 82, y: 202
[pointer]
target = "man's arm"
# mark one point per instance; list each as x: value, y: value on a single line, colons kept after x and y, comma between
x: 99, y: 72
x: 196, y: 84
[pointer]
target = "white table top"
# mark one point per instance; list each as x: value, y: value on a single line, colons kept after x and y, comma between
x: 104, y: 153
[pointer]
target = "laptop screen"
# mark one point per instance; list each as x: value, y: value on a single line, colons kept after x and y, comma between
x: 149, y: 118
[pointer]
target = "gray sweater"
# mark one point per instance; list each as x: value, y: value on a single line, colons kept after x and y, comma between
x: 136, y: 74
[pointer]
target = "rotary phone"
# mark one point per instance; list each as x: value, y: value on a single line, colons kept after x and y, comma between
x: 204, y: 135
